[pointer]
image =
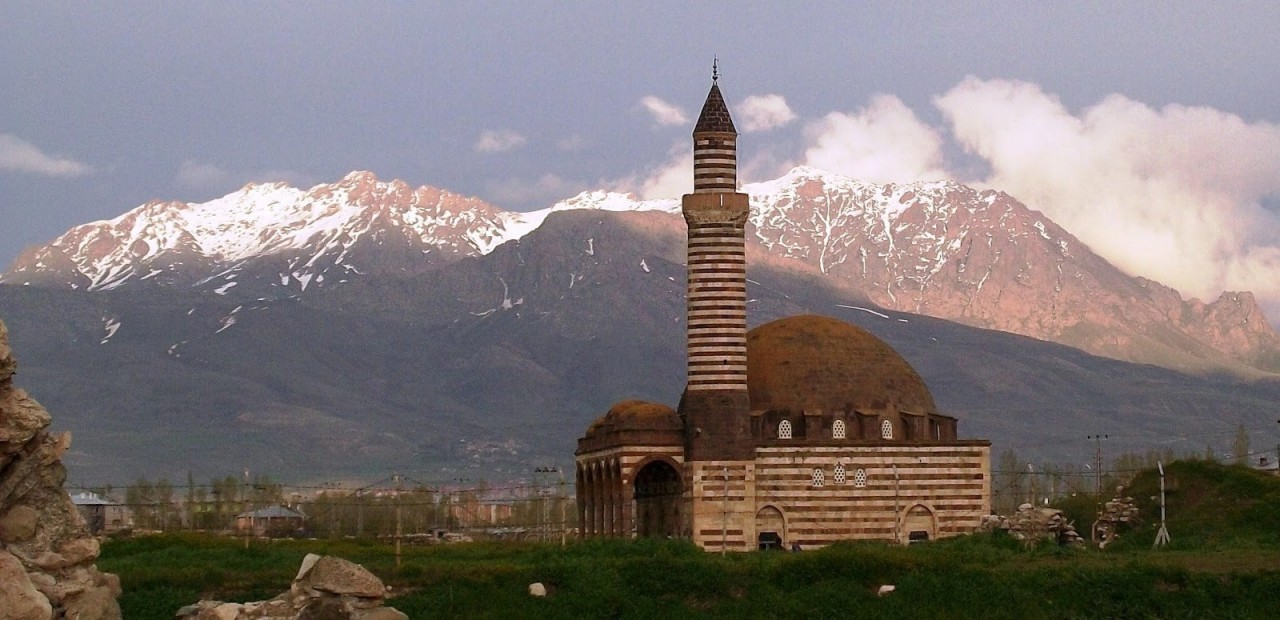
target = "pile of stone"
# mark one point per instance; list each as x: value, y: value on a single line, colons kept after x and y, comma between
x: 46, y: 553
x: 1120, y: 513
x: 1032, y: 525
x: 326, y: 588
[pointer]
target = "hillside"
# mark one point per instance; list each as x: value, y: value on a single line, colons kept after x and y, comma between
x: 491, y: 362
x: 939, y: 249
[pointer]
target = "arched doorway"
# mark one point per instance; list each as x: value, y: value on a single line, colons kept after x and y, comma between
x: 920, y: 524
x: 771, y: 529
x: 657, y: 493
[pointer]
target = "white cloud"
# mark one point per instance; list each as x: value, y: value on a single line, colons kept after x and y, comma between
x: 664, y: 113
x: 572, y: 143
x: 521, y: 193
x: 882, y: 143
x: 1173, y: 194
x: 764, y: 112
x: 672, y: 178
x: 18, y: 155
x: 499, y: 140
x: 201, y: 176
x: 205, y: 177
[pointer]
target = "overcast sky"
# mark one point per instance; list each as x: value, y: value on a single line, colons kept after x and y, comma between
x: 1150, y: 130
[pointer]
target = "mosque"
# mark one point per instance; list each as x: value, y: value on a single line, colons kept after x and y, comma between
x: 804, y: 431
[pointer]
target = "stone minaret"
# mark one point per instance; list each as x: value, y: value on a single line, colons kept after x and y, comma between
x: 715, y: 405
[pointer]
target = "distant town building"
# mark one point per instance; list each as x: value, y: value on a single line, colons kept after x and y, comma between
x: 274, y: 521
x: 1267, y: 464
x: 804, y: 431
x: 102, y: 514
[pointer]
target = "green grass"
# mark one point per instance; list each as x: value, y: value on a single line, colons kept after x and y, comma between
x: 970, y: 577
x: 1224, y: 563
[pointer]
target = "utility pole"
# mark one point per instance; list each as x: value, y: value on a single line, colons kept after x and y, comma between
x: 1162, y: 537
x: 724, y: 519
x: 897, y: 527
x: 564, y: 524
x: 248, y: 531
x: 399, y: 531
x: 1097, y: 462
x: 1031, y: 484
x: 359, y: 513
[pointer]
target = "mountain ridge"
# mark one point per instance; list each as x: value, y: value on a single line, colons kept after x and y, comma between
x: 491, y: 363
x: 941, y: 249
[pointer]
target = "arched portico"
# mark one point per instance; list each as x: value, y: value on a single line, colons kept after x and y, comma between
x: 771, y: 528
x: 919, y: 523
x: 657, y: 491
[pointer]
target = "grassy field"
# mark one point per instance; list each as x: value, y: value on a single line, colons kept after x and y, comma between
x: 1224, y: 567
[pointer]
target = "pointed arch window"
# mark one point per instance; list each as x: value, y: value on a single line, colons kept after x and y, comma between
x: 838, y: 430
x: 838, y: 476
x: 819, y: 477
x: 784, y: 429
x: 886, y: 429
x: 860, y: 478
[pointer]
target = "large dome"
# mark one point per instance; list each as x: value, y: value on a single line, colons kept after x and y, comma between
x: 807, y: 362
x: 636, y: 415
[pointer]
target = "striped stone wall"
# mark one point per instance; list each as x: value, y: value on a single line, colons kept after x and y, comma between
x: 715, y: 162
x: 717, y: 293
x: 722, y: 504
x: 951, y: 484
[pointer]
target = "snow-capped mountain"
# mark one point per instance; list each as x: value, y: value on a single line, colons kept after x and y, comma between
x: 981, y: 257
x: 941, y: 249
x: 292, y: 238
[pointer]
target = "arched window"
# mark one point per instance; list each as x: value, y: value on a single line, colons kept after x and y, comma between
x: 818, y: 477
x: 837, y: 430
x: 886, y: 430
x: 784, y: 429
x: 838, y: 475
x: 860, y: 479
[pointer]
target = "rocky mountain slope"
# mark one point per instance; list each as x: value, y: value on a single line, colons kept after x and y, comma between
x: 489, y: 364
x: 938, y: 249
x: 985, y: 259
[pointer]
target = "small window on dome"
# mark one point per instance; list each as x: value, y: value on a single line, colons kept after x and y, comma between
x: 838, y: 475
x: 837, y: 430
x: 784, y: 429
x: 818, y: 477
x: 886, y: 430
x: 860, y: 478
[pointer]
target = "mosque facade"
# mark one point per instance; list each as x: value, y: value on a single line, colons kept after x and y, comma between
x: 803, y: 431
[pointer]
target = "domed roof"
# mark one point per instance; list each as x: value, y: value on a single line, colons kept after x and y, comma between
x: 636, y: 415
x: 812, y: 362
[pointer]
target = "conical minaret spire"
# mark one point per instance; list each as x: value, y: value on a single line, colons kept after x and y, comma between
x: 715, y: 405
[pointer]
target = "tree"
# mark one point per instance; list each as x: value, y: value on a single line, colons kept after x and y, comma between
x: 1240, y: 445
x: 163, y: 491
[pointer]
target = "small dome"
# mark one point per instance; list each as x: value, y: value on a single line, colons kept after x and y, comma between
x: 812, y: 362
x: 636, y: 415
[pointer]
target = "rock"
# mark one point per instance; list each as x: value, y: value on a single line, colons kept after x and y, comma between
x: 537, y: 589
x: 339, y: 576
x: 885, y: 589
x: 307, y: 562
x: 79, y: 550
x: 23, y: 418
x: 381, y: 613
x: 92, y: 604
x: 225, y: 611
x: 326, y: 588
x: 18, y: 524
x: 40, y: 529
x: 19, y: 599
x: 325, y: 608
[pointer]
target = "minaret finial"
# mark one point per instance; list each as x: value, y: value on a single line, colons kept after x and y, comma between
x: 715, y: 68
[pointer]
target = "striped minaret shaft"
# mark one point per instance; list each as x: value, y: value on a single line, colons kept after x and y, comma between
x: 716, y: 214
